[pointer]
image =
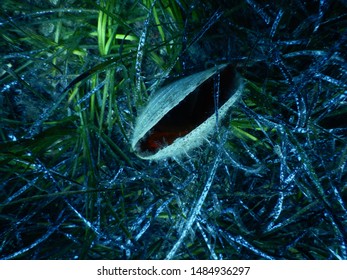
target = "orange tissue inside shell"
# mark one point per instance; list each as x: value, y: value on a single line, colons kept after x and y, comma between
x: 156, y: 139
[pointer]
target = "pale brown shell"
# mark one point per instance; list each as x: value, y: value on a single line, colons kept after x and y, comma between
x: 167, y: 98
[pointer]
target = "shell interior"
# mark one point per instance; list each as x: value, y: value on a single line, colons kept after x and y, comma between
x: 181, y: 115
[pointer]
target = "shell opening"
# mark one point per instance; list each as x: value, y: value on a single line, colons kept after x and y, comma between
x: 193, y: 110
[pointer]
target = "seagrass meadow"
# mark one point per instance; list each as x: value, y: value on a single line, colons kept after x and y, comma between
x: 269, y: 183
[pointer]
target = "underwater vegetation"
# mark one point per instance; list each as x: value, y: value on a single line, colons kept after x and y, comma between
x: 269, y: 183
